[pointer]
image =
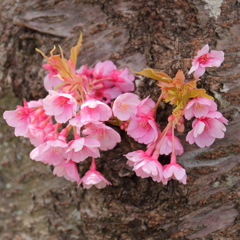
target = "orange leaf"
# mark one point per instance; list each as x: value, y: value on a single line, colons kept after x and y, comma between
x: 180, y: 75
x: 155, y: 75
x: 75, y: 50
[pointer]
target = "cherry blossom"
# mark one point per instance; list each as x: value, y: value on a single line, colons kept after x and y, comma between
x: 205, y: 59
x: 104, y: 69
x: 125, y: 106
x: 207, y: 129
x: 166, y: 147
x: 82, y: 148
x: 76, y: 121
x: 62, y: 105
x: 93, y: 177
x: 51, y: 80
x: 107, y: 136
x: 174, y: 171
x: 38, y: 133
x: 51, y: 152
x: 93, y: 111
x: 146, y: 106
x: 110, y: 93
x: 149, y: 167
x: 199, y: 107
x: 68, y: 170
x: 85, y: 71
x: 19, y: 118
x: 143, y: 128
x: 123, y: 80
x: 136, y: 156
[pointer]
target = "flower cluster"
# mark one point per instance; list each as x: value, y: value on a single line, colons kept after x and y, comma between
x: 69, y: 126
x: 188, y: 102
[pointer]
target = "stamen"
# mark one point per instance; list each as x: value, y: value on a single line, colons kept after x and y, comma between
x: 123, y: 107
x: 203, y: 59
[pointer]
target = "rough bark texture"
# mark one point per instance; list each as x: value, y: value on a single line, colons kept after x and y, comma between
x: 37, y: 205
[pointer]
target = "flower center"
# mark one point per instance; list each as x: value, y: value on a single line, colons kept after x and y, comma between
x: 56, y: 150
x: 22, y: 113
x: 204, y: 58
x: 101, y: 134
x: 198, y: 105
x: 144, y: 124
x: 123, y: 107
x: 61, y: 101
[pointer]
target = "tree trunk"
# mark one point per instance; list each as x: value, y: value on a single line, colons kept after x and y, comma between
x: 160, y: 34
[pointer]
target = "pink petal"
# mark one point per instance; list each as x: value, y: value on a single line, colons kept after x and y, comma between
x: 200, y: 111
x: 190, y: 137
x: 204, y: 140
x: 194, y: 68
x: 198, y: 128
x: 218, y: 55
x: 203, y: 51
x: 199, y: 72
x: 179, y: 172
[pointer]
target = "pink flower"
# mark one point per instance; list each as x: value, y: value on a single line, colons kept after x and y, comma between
x: 35, y: 104
x: 108, y: 83
x: 107, y: 136
x: 207, y: 129
x: 111, y: 93
x: 136, y: 156
x: 93, y: 177
x: 38, y: 113
x: 174, y: 171
x: 101, y: 94
x: 125, y: 106
x: 68, y: 170
x: 84, y: 70
x: 143, y: 128
x: 123, y: 80
x: 93, y: 111
x: 199, y: 107
x: 166, y: 147
x: 76, y: 121
x: 146, y: 106
x: 149, y: 167
x: 62, y: 105
x: 82, y: 148
x: 51, y: 152
x: 19, y: 118
x: 144, y: 164
x: 103, y: 69
x: 205, y: 59
x: 51, y: 81
x: 37, y: 133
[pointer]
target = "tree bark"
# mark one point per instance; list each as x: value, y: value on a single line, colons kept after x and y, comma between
x: 160, y: 34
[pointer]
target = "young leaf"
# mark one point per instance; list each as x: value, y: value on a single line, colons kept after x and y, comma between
x: 148, y: 72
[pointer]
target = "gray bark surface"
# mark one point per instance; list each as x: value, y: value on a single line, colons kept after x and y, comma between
x: 160, y: 34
